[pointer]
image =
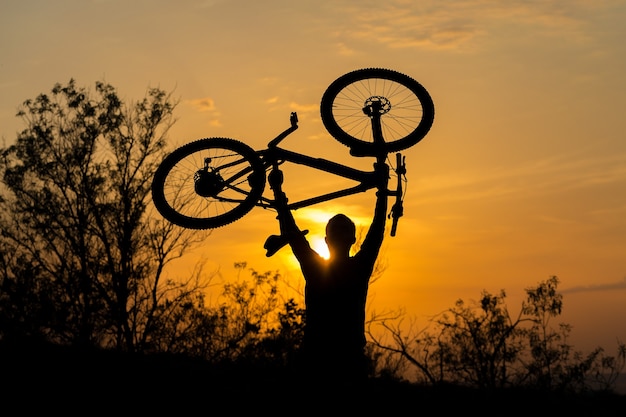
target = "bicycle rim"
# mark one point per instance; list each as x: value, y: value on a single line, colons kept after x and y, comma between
x: 407, y: 116
x: 208, y: 183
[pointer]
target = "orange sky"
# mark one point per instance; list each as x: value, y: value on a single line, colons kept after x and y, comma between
x: 522, y: 176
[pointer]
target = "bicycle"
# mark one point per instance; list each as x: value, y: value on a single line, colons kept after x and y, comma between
x: 212, y: 182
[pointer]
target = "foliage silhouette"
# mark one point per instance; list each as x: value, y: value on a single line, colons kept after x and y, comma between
x: 82, y: 261
x: 481, y: 345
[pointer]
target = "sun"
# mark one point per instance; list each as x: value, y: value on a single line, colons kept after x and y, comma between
x: 319, y: 245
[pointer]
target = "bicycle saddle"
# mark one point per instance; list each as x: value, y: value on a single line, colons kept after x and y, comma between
x: 274, y: 242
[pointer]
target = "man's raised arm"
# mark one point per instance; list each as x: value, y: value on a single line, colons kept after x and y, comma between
x: 289, y: 231
x: 374, y: 238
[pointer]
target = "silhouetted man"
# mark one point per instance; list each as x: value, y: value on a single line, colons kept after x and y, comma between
x: 335, y: 289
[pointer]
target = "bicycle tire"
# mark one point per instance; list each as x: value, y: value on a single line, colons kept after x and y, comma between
x: 406, y: 121
x: 234, y: 183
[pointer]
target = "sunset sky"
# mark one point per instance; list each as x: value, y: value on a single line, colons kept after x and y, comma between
x: 523, y: 175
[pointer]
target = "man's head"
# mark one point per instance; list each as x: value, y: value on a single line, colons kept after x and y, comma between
x: 340, y: 233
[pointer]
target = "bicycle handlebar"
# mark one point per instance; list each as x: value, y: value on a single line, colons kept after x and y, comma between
x: 293, y: 119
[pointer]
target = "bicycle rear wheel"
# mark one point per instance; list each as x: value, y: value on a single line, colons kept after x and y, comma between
x: 208, y: 183
x: 406, y: 108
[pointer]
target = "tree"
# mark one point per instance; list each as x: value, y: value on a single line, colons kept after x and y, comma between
x: 551, y: 363
x: 475, y: 345
x: 249, y: 323
x: 480, y: 345
x: 83, y: 260
x: 250, y: 316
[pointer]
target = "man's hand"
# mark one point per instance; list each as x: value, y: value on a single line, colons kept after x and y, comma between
x: 275, y: 178
x: 287, y: 223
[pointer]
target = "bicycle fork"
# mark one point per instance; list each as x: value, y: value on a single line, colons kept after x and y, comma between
x: 375, y: 108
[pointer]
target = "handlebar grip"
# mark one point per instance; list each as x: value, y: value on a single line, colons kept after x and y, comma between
x: 394, y: 226
x: 396, y: 213
x: 398, y: 210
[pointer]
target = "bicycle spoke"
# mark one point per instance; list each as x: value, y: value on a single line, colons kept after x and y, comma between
x: 404, y: 106
x: 209, y: 183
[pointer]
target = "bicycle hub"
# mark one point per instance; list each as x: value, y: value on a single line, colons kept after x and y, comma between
x: 376, y: 105
x: 207, y: 183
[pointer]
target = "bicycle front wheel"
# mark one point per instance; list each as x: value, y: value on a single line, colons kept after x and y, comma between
x: 405, y: 107
x: 208, y: 183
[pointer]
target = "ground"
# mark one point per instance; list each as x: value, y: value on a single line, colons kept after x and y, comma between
x: 53, y: 379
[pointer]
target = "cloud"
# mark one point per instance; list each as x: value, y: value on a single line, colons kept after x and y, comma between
x: 345, y: 50
x: 208, y: 3
x: 440, y: 24
x: 303, y: 108
x: 207, y: 105
x: 556, y: 174
x: 620, y: 286
x: 398, y: 27
x: 203, y: 104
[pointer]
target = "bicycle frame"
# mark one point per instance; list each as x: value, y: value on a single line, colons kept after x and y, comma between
x: 275, y: 155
